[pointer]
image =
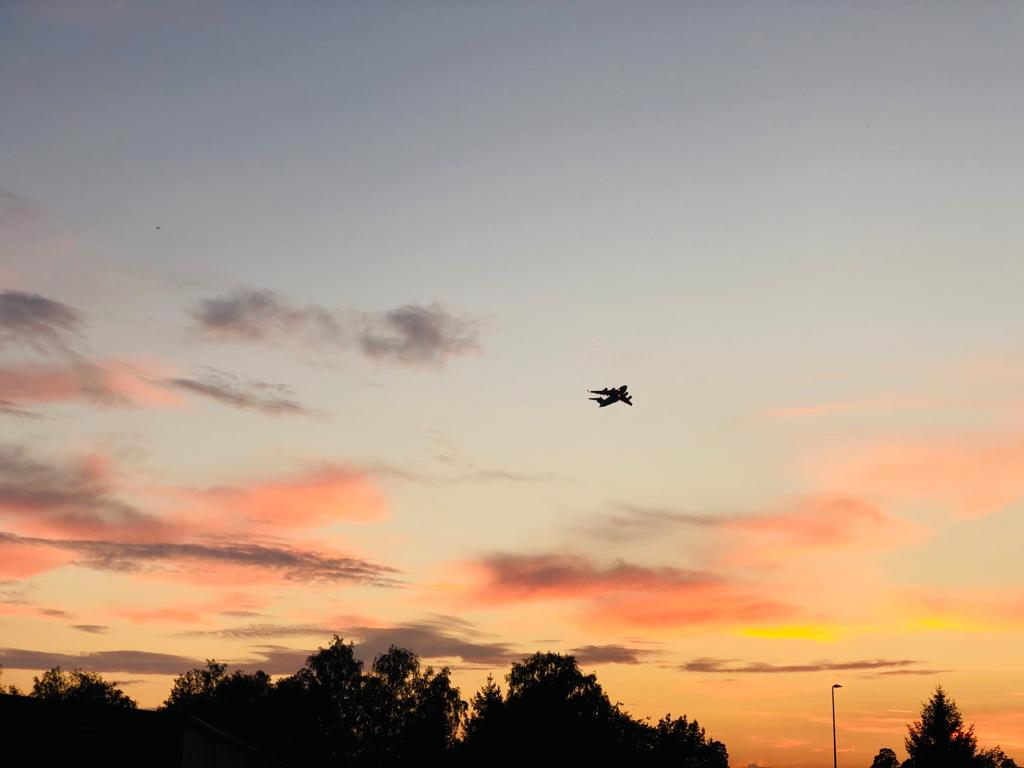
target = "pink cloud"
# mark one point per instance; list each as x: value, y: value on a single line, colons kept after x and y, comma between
x: 515, y: 578
x: 974, y: 475
x: 84, y: 512
x: 19, y: 561
x: 112, y: 383
x: 813, y: 525
x: 192, y: 612
x: 620, y: 595
x: 329, y: 494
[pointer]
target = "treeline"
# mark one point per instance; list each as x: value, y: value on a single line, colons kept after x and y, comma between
x: 941, y: 740
x: 399, y: 713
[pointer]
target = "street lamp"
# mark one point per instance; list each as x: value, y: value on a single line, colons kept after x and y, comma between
x: 835, y: 759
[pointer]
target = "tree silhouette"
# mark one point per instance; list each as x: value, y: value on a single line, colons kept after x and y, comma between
x: 486, y: 723
x: 322, y: 702
x: 409, y: 714
x: 239, y: 702
x: 886, y: 758
x: 194, y: 691
x: 994, y: 758
x: 79, y: 686
x: 554, y: 714
x: 939, y: 739
x: 682, y: 742
x: 400, y: 713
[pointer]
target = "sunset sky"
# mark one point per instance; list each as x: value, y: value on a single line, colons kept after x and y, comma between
x: 300, y: 304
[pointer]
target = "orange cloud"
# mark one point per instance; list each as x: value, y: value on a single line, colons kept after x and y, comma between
x: 707, y: 605
x: 20, y: 561
x: 328, y: 494
x: 975, y: 475
x: 813, y: 525
x: 620, y: 595
x: 515, y: 578
x: 82, y: 512
x: 71, y: 498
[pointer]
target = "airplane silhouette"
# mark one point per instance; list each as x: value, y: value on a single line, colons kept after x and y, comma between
x: 614, y: 395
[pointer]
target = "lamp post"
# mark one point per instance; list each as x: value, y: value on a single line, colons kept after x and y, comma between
x: 835, y: 759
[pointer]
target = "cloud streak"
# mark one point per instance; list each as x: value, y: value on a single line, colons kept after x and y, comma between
x: 436, y: 637
x: 251, y: 395
x: 107, y: 384
x: 418, y: 336
x: 248, y: 315
x: 36, y: 322
x: 136, y: 662
x: 92, y: 629
x: 612, y: 654
x: 411, y: 335
x: 75, y: 498
x: 290, y: 563
x: 518, y: 577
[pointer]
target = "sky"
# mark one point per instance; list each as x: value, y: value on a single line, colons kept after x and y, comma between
x: 300, y: 304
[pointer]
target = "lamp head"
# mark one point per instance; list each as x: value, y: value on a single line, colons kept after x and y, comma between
x: 837, y: 685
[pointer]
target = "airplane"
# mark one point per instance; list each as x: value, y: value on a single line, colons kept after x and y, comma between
x: 609, y: 396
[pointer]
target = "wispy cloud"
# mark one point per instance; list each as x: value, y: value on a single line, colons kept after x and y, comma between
x: 619, y: 595
x: 250, y: 315
x: 136, y: 662
x: 634, y: 521
x: 419, y: 336
x: 974, y: 474
x: 320, y: 495
x: 412, y: 334
x: 612, y: 654
x: 55, y: 613
x: 15, y: 208
x: 39, y: 323
x: 248, y: 394
x: 75, y: 498
x: 804, y: 524
x: 107, y: 384
x: 435, y: 637
x: 92, y: 629
x: 7, y: 408
x: 290, y: 563
x: 519, y: 577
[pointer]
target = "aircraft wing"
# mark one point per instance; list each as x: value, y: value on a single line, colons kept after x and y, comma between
x: 600, y: 391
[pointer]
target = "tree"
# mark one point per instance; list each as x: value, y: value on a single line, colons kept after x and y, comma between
x: 79, y: 686
x: 886, y: 758
x: 682, y: 742
x: 939, y: 739
x: 994, y: 758
x: 409, y: 715
x: 193, y: 691
x: 486, y: 723
x: 557, y: 714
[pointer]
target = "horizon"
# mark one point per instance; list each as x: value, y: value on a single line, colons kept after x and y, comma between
x: 300, y: 309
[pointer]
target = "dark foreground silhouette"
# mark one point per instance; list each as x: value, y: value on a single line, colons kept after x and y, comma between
x: 941, y: 740
x: 398, y: 713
